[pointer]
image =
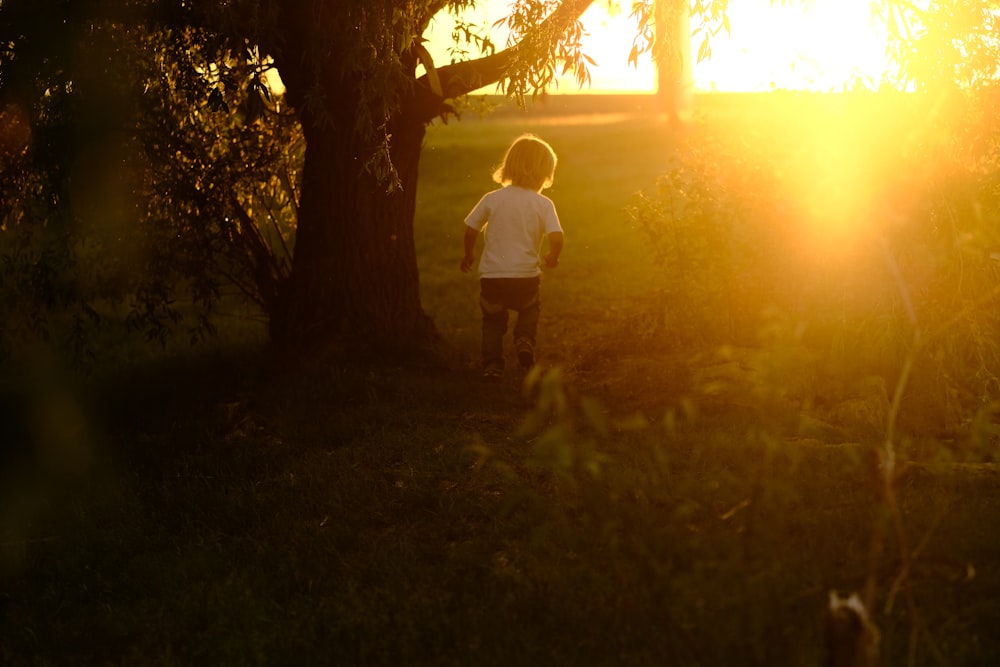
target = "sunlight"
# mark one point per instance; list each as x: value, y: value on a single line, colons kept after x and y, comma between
x: 848, y: 165
x: 825, y: 45
x: 272, y: 79
x: 608, y: 42
x: 822, y: 45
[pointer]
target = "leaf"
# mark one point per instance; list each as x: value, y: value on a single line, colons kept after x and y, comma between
x: 265, y: 90
x: 705, y: 50
x: 216, y: 101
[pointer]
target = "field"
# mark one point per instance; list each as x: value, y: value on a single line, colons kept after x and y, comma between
x: 659, y: 491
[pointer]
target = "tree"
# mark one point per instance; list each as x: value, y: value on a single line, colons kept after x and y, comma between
x: 352, y: 69
x: 126, y: 176
x: 351, y: 73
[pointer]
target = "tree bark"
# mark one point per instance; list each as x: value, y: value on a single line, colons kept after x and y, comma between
x: 354, y: 277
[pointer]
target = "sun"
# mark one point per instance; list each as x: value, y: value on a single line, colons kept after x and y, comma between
x: 823, y: 45
x: 818, y: 45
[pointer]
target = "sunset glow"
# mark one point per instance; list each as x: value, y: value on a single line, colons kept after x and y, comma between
x: 824, y: 45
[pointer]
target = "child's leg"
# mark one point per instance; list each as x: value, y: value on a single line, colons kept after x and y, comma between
x: 495, y: 320
x: 526, y: 327
x: 529, y: 307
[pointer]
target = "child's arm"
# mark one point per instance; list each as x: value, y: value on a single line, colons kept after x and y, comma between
x: 469, y: 240
x: 555, y: 248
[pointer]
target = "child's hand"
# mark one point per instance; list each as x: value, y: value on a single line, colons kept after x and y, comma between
x: 551, y: 261
x: 467, y: 262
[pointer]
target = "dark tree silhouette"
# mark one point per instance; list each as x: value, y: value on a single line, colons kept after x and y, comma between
x: 351, y: 73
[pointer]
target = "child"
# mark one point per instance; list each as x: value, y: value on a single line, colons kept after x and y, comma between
x: 514, y: 219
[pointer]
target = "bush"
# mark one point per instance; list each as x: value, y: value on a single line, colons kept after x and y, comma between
x: 858, y: 224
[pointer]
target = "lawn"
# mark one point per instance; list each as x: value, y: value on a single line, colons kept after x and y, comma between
x: 637, y: 501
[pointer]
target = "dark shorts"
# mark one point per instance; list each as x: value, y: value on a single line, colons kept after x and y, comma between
x: 510, y: 293
x: 497, y: 297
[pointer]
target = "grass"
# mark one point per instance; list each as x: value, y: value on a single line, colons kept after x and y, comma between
x: 647, y: 505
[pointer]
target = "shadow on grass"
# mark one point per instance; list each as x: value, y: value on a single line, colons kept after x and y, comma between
x: 396, y: 516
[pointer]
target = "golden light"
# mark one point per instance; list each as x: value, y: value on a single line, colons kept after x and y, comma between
x: 609, y: 39
x: 818, y: 45
x: 608, y: 42
x: 823, y: 45
x: 804, y: 45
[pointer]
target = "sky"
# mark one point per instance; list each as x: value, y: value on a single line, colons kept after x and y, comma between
x: 824, y: 46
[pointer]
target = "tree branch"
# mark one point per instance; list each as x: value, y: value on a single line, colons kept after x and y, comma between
x: 464, y: 77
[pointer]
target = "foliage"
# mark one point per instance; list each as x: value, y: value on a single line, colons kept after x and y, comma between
x: 534, y: 70
x: 224, y: 170
x: 865, y: 227
x: 718, y: 273
x: 651, y: 17
x: 943, y: 46
x: 164, y: 199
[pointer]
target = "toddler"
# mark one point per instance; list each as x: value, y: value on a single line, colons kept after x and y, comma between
x: 514, y: 220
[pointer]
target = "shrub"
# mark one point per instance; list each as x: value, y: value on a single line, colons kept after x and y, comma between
x: 855, y: 221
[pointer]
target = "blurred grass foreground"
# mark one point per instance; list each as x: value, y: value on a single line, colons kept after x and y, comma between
x: 768, y: 371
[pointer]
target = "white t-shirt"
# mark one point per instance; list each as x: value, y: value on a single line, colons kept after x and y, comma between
x: 516, y: 219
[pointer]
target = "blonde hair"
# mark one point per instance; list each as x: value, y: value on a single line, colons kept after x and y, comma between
x: 529, y: 163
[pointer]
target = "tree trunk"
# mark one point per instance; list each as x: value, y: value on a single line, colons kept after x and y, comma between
x: 354, y: 278
x: 674, y: 78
